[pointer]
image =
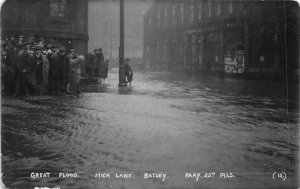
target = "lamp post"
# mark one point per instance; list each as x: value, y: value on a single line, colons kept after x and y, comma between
x: 110, y: 52
x: 122, y: 77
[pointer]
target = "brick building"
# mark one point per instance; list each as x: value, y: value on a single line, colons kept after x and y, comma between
x: 197, y: 36
x: 63, y: 21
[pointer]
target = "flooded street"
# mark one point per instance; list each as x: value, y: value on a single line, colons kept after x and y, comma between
x: 163, y: 124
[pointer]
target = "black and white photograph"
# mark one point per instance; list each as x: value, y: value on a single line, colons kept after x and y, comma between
x: 150, y: 94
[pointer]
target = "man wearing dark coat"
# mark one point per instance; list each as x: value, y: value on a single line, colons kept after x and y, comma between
x: 4, y: 71
x: 103, y: 71
x: 100, y: 62
x: 92, y: 69
x: 11, y: 68
x: 61, y: 67
x: 53, y: 66
x: 89, y: 63
x: 41, y: 69
x: 97, y: 63
x: 23, y: 69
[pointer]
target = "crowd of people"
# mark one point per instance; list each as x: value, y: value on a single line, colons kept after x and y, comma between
x: 30, y: 67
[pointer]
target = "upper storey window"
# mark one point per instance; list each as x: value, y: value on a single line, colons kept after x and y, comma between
x: 192, y: 11
x: 219, y: 9
x: 199, y: 10
x: 230, y: 7
x: 209, y: 8
x: 166, y: 17
x: 181, y: 12
x: 158, y: 19
x: 173, y: 13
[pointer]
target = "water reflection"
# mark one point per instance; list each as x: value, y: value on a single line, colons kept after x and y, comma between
x: 168, y: 122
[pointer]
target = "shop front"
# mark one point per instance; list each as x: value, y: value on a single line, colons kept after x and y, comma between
x: 234, y: 49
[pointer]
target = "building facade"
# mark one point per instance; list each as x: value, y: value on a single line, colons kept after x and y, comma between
x: 104, y: 28
x: 205, y: 35
x: 62, y: 21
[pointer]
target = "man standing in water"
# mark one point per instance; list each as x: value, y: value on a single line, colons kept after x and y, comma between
x: 128, y: 71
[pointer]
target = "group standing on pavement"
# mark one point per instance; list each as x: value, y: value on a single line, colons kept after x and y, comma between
x: 35, y: 68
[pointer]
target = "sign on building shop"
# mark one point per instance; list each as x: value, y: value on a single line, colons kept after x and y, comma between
x: 235, y: 62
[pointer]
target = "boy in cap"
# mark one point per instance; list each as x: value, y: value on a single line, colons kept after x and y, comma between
x: 128, y: 71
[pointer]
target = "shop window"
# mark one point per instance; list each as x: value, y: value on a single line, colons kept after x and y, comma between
x: 261, y: 59
x: 58, y: 8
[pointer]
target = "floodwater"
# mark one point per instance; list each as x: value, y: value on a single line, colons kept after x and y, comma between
x: 163, y: 123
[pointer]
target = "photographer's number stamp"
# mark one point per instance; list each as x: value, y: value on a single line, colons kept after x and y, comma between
x: 279, y: 176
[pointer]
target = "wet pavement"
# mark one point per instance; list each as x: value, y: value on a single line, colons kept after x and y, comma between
x: 162, y: 124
